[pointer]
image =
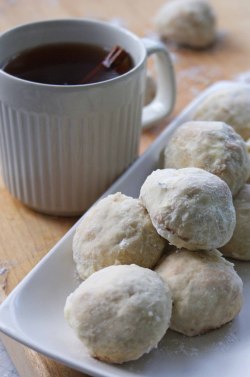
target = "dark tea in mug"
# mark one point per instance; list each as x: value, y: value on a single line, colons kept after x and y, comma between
x: 64, y: 64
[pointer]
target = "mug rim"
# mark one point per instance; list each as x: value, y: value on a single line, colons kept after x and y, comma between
x: 76, y: 20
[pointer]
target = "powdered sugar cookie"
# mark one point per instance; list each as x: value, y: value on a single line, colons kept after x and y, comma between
x: 230, y: 105
x: 206, y: 290
x: 120, y: 312
x: 117, y: 230
x: 212, y: 146
x: 187, y: 22
x: 189, y: 207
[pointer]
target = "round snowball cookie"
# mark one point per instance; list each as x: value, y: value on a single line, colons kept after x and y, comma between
x: 187, y: 22
x: 239, y: 245
x: 117, y: 230
x: 212, y: 146
x: 190, y: 207
x: 120, y: 312
x: 206, y: 290
x: 230, y: 105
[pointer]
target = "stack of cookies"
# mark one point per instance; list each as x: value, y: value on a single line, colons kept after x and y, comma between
x: 184, y: 214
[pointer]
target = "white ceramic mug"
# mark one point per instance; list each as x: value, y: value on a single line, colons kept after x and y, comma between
x: 62, y: 146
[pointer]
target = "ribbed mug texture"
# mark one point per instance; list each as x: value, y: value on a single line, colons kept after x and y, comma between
x: 61, y: 163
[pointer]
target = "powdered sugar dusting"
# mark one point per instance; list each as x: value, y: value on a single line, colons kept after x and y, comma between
x: 7, y: 369
x: 77, y: 279
x: 3, y: 270
x: 3, y: 281
x: 243, y: 77
x: 153, y: 35
x: 184, y: 349
x: 198, y: 76
x: 124, y: 243
x: 117, y: 21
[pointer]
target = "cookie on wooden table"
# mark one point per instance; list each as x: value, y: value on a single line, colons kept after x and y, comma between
x: 187, y: 22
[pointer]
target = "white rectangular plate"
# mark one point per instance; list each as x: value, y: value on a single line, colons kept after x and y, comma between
x: 33, y: 313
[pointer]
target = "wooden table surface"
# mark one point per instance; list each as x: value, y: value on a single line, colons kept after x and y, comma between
x: 26, y: 236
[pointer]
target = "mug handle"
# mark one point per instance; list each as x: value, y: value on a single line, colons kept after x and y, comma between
x: 164, y: 100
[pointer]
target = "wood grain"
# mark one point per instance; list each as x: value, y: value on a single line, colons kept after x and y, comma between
x: 26, y: 236
x: 31, y: 364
